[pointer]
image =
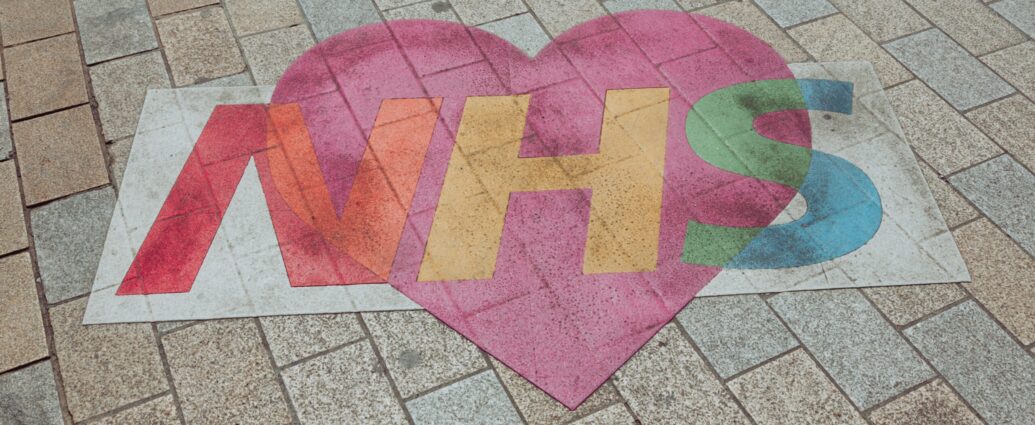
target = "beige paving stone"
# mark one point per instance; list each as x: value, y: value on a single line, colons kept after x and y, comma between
x: 905, y: 304
x: 560, y: 15
x: 1001, y: 275
x: 616, y: 414
x: 2, y: 63
x: 104, y: 366
x: 539, y: 408
x: 1015, y: 64
x: 292, y: 338
x: 348, y: 383
x: 118, y: 155
x: 21, y: 323
x: 120, y: 87
x: 160, y: 411
x: 793, y: 390
x: 1011, y: 123
x: 27, y: 20
x: 882, y: 19
x: 199, y: 46
x: 477, y: 12
x: 421, y: 352
x: 12, y: 216
x: 59, y: 154
x: 931, y: 404
x: 748, y: 16
x: 939, y: 134
x: 269, y: 54
x: 223, y: 375
x: 835, y: 38
x: 165, y: 7
x: 427, y: 10
x: 44, y: 75
x: 252, y: 16
x: 6, y: 146
x: 973, y: 25
x: 954, y: 207
x: 695, y: 4
x: 666, y: 381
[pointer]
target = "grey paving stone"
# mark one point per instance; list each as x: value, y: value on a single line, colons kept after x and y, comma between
x: 746, y: 15
x: 120, y: 87
x: 269, y: 54
x: 905, y: 304
x: 439, y: 10
x: 329, y: 17
x: 932, y: 404
x: 883, y: 19
x: 165, y: 7
x: 252, y: 16
x: 954, y: 207
x: 1019, y: 12
x: 13, y: 235
x: 118, y: 155
x: 21, y: 325
x: 538, y: 408
x: 1015, y: 65
x: 478, y: 399
x: 736, y: 332
x: 160, y: 411
x: 1003, y: 190
x: 949, y: 69
x: 560, y: 15
x: 793, y: 390
x: 348, y: 383
x: 476, y: 12
x: 1010, y: 123
x: 970, y: 23
x: 236, y: 80
x: 5, y: 123
x: 979, y: 360
x: 835, y: 38
x: 666, y: 381
x: 792, y: 12
x: 522, y: 31
x: 110, y: 29
x: 616, y: 414
x: 616, y: 6
x: 695, y: 4
x: 69, y: 235
x: 849, y: 338
x: 199, y: 46
x: 222, y: 374
x: 29, y: 396
x: 391, y: 4
x: 294, y: 337
x: 421, y: 352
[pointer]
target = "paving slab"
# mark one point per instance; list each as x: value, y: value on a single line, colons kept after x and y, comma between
x: 199, y: 46
x: 120, y: 87
x: 1002, y: 189
x: 28, y: 20
x: 906, y: 304
x: 44, y: 75
x: 270, y: 53
x: 165, y: 7
x: 560, y: 15
x: 13, y: 235
x: 1021, y: 13
x: 836, y: 38
x: 949, y: 69
x: 616, y: 6
x: 29, y: 396
x: 972, y: 24
x: 21, y: 323
x: 955, y: 209
x: 931, y: 404
x: 1014, y: 64
x: 111, y: 29
x: 479, y: 399
x: 883, y: 19
x: 790, y: 13
x: 477, y: 12
x: 538, y: 408
x: 1008, y: 122
x: 616, y: 414
x: 6, y: 145
x: 329, y: 17
x: 980, y: 360
x: 292, y: 338
x: 748, y: 16
x: 59, y: 154
x: 522, y: 31
x: 118, y: 155
x: 253, y: 16
x: 68, y: 236
x: 439, y: 10
x: 160, y: 411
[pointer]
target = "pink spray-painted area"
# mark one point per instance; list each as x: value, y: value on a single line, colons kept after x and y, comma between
x: 564, y: 331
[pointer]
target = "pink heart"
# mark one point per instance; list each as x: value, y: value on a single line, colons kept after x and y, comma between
x: 564, y: 331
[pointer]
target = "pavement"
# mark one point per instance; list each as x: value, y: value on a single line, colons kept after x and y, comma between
x: 74, y: 76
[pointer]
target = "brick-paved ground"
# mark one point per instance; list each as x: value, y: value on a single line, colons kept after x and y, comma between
x: 73, y: 77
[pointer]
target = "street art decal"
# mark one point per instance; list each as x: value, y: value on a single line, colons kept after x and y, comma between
x: 557, y: 210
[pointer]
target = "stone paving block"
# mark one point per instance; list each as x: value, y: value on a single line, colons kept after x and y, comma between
x: 1021, y: 13
x: 5, y: 122
x: 789, y: 13
x: 270, y: 53
x: 21, y: 323
x: 348, y: 383
x: 735, y: 332
x: 439, y: 10
x: 120, y: 87
x: 949, y: 69
x: 165, y: 7
x: 971, y: 24
x: 666, y: 381
x: 392, y: 4
x: 44, y: 75
x: 746, y: 15
x: 69, y: 236
x: 954, y: 208
x: 252, y: 16
x: 522, y: 31
x: 616, y: 414
x: 329, y: 17
x: 906, y: 304
x: 616, y: 6
x: 118, y: 154
x: 199, y: 46
x: 421, y: 352
x: 27, y: 20
x: 835, y: 38
x: 985, y: 366
x: 160, y: 411
x: 932, y: 404
x: 863, y: 353
x: 477, y: 12
x: 107, y: 366
x: 1002, y: 189
x: 13, y: 235
x: 222, y: 374
x: 695, y: 4
x: 560, y: 15
x: 792, y: 389
x: 29, y: 396
x: 1001, y: 277
x: 1010, y: 123
x: 939, y: 134
x: 538, y: 408
x: 236, y: 80
x: 110, y: 29
x: 883, y: 19
x: 479, y: 399
x: 1015, y: 65
x: 292, y: 338
x: 59, y: 154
